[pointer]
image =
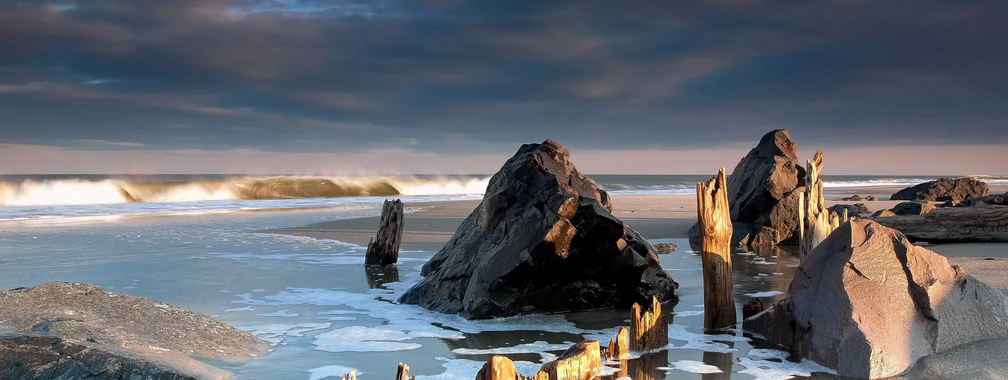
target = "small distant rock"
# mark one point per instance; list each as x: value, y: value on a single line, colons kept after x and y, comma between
x: 665, y: 248
x: 912, y: 208
x: 857, y: 209
x: 853, y: 198
x: 883, y: 214
x: 997, y: 199
x: 947, y: 188
x: 870, y: 198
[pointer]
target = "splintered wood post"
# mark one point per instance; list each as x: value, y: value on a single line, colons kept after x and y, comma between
x: 618, y: 346
x: 385, y: 249
x: 801, y: 218
x: 498, y: 368
x: 350, y: 376
x: 817, y: 223
x: 402, y: 373
x: 648, y: 328
x: 714, y: 224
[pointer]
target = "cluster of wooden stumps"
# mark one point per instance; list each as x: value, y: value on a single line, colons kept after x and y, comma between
x: 648, y: 332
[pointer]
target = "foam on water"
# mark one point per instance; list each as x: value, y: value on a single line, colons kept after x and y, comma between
x: 334, y: 371
x: 770, y: 293
x: 526, y: 348
x: 277, y: 332
x: 691, y: 366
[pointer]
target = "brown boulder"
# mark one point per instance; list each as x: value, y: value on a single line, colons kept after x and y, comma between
x: 868, y: 303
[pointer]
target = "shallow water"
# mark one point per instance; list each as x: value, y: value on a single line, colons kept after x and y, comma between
x: 325, y: 313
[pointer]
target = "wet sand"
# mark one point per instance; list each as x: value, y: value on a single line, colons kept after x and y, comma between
x: 429, y: 225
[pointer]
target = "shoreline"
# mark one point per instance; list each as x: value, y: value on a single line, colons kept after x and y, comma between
x: 429, y: 225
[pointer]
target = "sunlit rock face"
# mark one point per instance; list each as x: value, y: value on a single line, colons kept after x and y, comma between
x: 868, y: 303
x: 543, y: 240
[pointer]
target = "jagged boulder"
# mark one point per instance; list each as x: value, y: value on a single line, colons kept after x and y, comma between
x: 868, y: 303
x: 763, y: 192
x: 944, y: 188
x: 542, y: 240
x: 997, y: 199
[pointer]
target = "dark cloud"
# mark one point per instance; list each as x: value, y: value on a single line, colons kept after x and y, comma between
x: 315, y: 75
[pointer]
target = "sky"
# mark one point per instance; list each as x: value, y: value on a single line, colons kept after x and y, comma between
x: 444, y: 86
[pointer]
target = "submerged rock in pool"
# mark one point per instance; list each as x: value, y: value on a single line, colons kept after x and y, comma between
x: 75, y: 330
x: 542, y: 240
x: 869, y: 304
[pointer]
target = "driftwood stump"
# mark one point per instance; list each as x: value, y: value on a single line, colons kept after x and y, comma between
x: 816, y: 221
x: 498, y: 368
x: 620, y: 345
x: 402, y: 373
x: 580, y: 362
x: 715, y: 227
x: 384, y: 249
x: 648, y: 328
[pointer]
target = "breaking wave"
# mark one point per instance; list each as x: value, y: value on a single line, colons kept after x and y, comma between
x: 110, y: 191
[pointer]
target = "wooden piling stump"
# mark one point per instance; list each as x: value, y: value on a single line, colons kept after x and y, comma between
x: 580, y: 362
x: 384, y: 249
x: 817, y: 218
x: 498, y: 368
x: 648, y: 328
x: 715, y: 227
x: 619, y: 346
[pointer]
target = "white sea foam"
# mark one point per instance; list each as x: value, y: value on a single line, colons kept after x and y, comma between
x: 769, y: 293
x: 525, y: 348
x: 702, y: 342
x: 691, y: 366
x: 276, y: 333
x: 688, y: 313
x: 334, y: 371
x: 778, y: 370
x: 280, y: 314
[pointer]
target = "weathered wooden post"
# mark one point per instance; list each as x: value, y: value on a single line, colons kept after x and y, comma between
x: 498, y: 368
x: 619, y: 346
x: 350, y: 376
x: 402, y: 373
x: 817, y: 223
x: 648, y: 328
x: 715, y: 227
x: 384, y: 249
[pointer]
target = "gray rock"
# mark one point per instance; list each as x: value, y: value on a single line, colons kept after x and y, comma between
x: 857, y: 209
x: 870, y: 198
x: 868, y: 303
x: 665, y: 248
x: 542, y: 240
x: 854, y: 198
x: 883, y: 214
x: 763, y: 192
x: 997, y: 199
x: 946, y: 188
x: 912, y: 208
x: 109, y: 335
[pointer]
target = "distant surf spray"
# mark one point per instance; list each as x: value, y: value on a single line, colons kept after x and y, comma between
x: 72, y: 191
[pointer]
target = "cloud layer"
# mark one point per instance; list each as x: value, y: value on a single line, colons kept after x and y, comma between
x: 455, y: 77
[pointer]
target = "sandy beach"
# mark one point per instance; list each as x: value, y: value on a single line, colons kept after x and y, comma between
x: 428, y: 225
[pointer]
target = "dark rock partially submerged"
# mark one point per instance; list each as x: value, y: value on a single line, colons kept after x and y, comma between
x: 912, y: 208
x: 91, y: 331
x: 542, y: 240
x: 763, y: 192
x: 868, y: 303
x: 944, y: 188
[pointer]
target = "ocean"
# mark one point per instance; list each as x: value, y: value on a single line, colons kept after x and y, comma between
x: 193, y: 242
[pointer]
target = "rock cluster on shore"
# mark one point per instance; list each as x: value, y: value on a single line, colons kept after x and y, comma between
x: 75, y: 330
x: 763, y: 192
x: 868, y: 303
x: 955, y: 189
x: 542, y: 240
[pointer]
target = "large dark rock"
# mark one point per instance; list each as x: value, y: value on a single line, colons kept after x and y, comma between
x: 945, y: 188
x: 542, y: 240
x: 763, y: 192
x: 868, y: 303
x: 75, y: 330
